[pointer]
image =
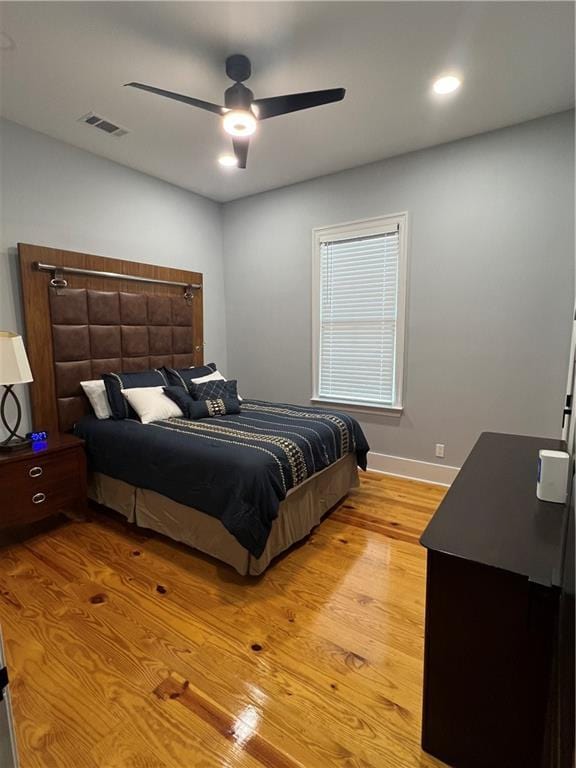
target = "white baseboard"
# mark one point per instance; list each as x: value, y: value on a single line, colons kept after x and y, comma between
x: 440, y: 474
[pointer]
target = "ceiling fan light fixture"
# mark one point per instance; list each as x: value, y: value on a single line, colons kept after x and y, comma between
x: 239, y: 123
x: 241, y: 113
x: 228, y: 161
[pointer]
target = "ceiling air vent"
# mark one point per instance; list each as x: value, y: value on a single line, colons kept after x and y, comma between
x: 104, y: 125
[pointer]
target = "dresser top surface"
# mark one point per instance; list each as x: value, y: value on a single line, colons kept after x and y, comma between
x: 491, y: 514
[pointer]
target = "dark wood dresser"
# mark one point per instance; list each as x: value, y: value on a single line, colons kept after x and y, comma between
x: 43, y: 480
x: 493, y: 596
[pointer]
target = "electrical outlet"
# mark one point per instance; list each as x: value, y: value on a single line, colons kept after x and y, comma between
x: 440, y: 450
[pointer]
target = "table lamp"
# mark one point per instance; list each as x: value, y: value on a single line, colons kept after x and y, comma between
x: 14, y: 369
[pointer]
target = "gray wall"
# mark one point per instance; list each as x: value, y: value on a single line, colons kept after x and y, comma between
x: 491, y: 268
x: 490, y: 290
x: 53, y: 194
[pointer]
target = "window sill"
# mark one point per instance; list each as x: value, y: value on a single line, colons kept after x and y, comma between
x: 386, y: 410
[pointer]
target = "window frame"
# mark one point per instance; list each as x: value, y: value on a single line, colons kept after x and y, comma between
x: 376, y: 225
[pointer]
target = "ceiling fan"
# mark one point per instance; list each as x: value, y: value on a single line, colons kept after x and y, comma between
x: 242, y: 111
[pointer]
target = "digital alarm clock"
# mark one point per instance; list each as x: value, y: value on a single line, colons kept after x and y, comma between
x: 36, y: 437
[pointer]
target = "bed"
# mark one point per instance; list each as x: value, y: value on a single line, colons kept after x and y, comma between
x: 241, y: 487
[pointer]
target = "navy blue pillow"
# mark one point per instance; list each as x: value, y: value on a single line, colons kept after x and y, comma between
x: 212, y: 390
x: 182, y: 377
x: 182, y: 399
x: 202, y: 409
x: 115, y: 382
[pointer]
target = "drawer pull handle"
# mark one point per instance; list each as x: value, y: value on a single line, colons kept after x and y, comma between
x: 35, y: 472
x: 38, y: 498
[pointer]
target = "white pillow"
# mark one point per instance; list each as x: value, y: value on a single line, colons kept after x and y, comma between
x: 151, y: 404
x: 95, y: 391
x: 216, y: 376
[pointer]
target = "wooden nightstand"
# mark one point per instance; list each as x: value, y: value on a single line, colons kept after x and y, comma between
x: 43, y: 480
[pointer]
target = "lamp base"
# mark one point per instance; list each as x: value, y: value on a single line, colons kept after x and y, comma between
x: 14, y: 441
x: 15, y: 444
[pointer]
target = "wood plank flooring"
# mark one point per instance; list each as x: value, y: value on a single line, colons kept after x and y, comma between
x: 127, y: 650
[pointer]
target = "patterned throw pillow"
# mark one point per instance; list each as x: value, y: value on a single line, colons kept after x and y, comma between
x: 116, y: 382
x: 201, y: 409
x: 216, y: 376
x: 212, y: 390
x: 182, y: 377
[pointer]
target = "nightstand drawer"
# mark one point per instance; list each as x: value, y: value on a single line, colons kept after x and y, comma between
x: 40, y: 485
x: 45, y: 468
x: 46, y: 499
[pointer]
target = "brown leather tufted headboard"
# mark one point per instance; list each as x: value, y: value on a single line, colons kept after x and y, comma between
x: 98, y: 325
x: 95, y: 332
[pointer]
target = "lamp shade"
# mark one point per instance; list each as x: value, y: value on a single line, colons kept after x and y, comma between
x: 14, y: 365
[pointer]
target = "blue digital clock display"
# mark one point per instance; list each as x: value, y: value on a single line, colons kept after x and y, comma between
x: 37, y: 436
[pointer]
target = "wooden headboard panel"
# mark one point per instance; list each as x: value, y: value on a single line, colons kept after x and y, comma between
x: 99, y: 324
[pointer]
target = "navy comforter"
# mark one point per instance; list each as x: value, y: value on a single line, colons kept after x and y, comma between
x: 237, y: 468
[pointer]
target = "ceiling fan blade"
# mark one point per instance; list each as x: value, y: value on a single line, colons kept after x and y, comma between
x: 207, y: 105
x: 241, y: 150
x: 281, y: 105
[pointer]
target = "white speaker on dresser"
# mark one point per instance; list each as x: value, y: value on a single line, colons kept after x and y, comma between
x: 552, y: 482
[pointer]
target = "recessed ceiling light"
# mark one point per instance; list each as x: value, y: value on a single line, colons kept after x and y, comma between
x: 228, y: 161
x: 447, y: 84
x: 239, y: 123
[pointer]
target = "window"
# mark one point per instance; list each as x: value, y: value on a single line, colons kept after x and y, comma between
x: 359, y: 306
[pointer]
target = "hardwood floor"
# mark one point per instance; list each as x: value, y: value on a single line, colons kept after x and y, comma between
x: 129, y: 651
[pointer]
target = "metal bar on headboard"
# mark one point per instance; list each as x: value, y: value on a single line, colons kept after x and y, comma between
x: 58, y: 282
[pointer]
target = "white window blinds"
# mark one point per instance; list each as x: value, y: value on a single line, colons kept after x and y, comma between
x: 358, y: 319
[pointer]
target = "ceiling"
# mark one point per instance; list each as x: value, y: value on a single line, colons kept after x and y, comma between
x: 61, y: 60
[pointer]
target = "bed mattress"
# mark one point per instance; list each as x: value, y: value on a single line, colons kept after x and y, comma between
x: 235, y: 468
